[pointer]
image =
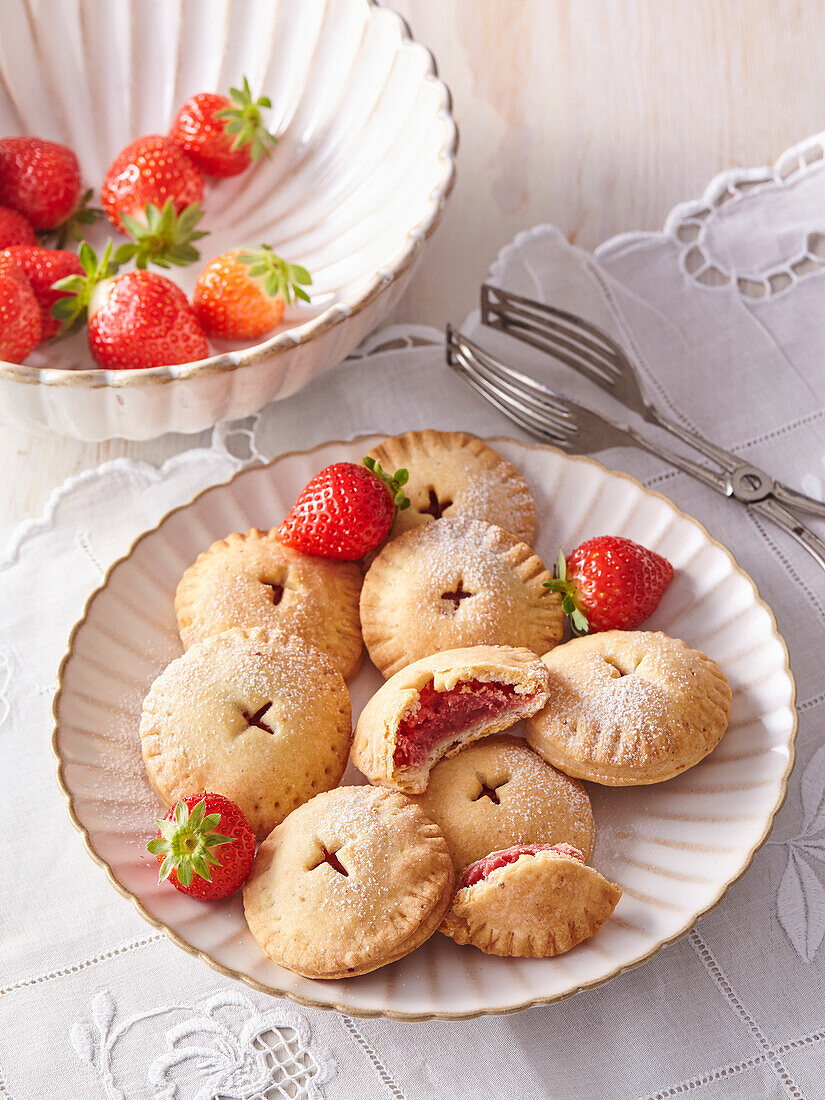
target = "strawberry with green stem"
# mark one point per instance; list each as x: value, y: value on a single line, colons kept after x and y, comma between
x: 610, y: 583
x: 152, y: 192
x: 223, y: 135
x: 345, y: 511
x: 136, y: 320
x: 242, y: 294
x: 194, y: 857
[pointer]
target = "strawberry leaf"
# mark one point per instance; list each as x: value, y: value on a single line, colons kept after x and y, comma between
x: 244, y: 122
x: 164, y: 238
x: 280, y: 279
x: 395, y: 482
x: 72, y: 310
x: 579, y: 622
x: 570, y: 602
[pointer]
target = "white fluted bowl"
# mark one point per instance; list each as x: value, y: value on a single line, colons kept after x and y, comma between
x: 357, y: 184
x: 674, y: 847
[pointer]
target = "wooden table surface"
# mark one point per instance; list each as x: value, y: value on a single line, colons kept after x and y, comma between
x: 595, y: 115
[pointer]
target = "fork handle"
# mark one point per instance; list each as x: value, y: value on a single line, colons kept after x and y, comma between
x: 800, y: 501
x: 792, y: 526
x: 704, y: 446
x: 731, y: 464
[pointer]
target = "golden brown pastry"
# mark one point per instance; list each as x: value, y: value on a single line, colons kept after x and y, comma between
x: 435, y: 706
x: 251, y: 579
x: 455, y: 583
x: 453, y: 474
x: 254, y: 715
x: 351, y: 881
x: 629, y: 707
x: 496, y: 793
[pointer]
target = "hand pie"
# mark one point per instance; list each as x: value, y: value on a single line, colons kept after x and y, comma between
x: 496, y: 793
x: 455, y: 583
x: 351, y: 881
x: 251, y: 579
x: 435, y: 706
x: 254, y: 715
x: 453, y: 474
x: 530, y: 902
x: 629, y: 707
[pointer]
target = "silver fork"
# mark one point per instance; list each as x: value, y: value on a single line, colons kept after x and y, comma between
x: 590, y: 351
x: 578, y: 429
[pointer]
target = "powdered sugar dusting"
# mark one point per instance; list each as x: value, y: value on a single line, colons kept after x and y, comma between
x: 455, y: 582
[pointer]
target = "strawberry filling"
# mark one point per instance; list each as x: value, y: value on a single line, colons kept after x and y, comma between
x: 483, y: 868
x: 442, y: 714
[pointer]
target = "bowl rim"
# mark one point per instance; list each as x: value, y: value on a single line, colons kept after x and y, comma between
x: 334, y: 315
x: 387, y: 1013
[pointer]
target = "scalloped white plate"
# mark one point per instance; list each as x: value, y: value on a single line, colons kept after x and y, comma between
x: 674, y: 848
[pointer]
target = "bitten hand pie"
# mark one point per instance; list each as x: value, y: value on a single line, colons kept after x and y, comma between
x: 432, y: 707
x: 530, y: 902
x: 629, y: 707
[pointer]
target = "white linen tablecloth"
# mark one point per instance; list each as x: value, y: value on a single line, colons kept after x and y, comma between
x: 724, y: 313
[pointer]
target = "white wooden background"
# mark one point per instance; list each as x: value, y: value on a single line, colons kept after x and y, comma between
x: 596, y: 115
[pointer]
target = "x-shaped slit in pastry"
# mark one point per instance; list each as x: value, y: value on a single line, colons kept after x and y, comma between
x: 621, y: 669
x: 277, y: 591
x: 488, y: 791
x: 457, y: 595
x: 436, y: 508
x: 257, y: 719
x: 332, y: 859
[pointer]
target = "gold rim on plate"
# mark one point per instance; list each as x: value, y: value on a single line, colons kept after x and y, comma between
x: 392, y: 1013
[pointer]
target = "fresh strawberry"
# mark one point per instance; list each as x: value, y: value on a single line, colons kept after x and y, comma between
x: 20, y: 324
x: 152, y: 192
x: 223, y: 136
x: 136, y: 320
x: 43, y: 267
x: 40, y: 179
x: 14, y: 228
x: 198, y: 861
x: 610, y: 583
x: 345, y: 511
x: 241, y: 295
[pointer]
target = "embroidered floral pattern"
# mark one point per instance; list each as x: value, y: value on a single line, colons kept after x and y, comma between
x: 223, y: 1046
x: 800, y: 902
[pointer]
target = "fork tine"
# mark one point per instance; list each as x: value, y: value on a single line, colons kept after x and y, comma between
x: 554, y: 414
x: 546, y: 335
x: 525, y: 420
x: 462, y: 359
x: 520, y: 383
x: 574, y: 349
x: 494, y: 299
